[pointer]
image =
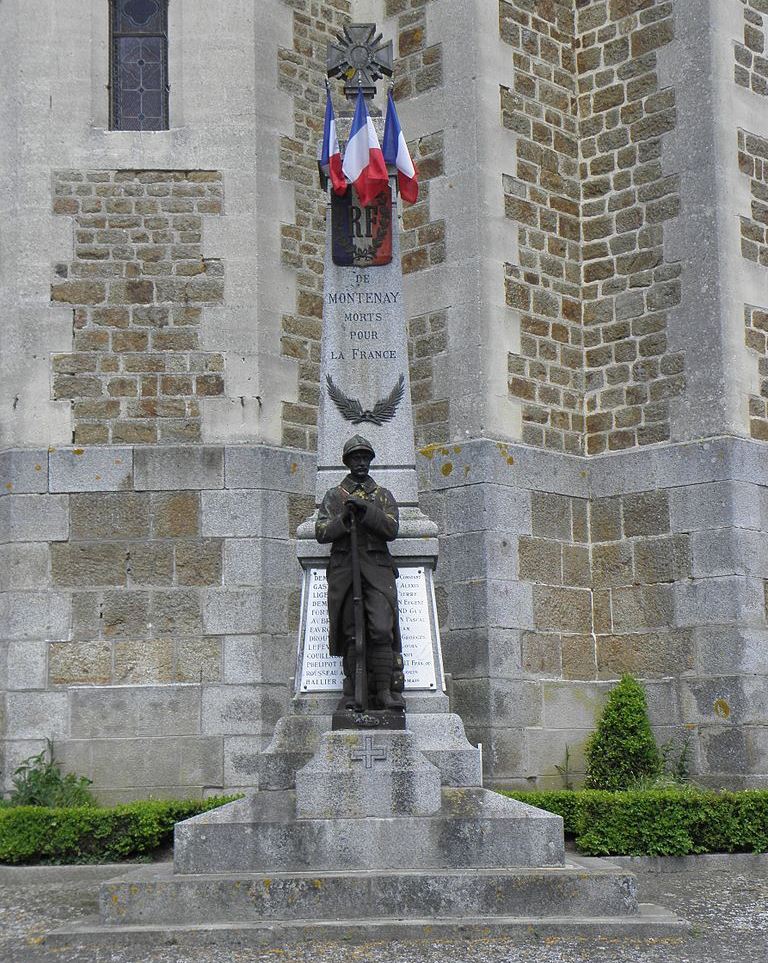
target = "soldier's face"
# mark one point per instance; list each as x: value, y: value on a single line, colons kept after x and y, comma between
x: 358, y: 463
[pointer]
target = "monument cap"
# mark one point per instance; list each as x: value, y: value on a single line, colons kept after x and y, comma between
x: 357, y: 443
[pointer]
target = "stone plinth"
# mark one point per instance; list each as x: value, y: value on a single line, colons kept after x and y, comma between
x: 439, y: 736
x: 473, y: 828
x: 357, y: 773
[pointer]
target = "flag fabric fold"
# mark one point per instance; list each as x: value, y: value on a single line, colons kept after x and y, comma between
x: 330, y: 156
x: 364, y: 165
x: 396, y: 152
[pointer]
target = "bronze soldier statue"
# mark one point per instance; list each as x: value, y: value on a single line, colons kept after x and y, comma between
x: 362, y: 512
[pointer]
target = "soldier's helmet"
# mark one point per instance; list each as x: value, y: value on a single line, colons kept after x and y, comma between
x: 357, y: 443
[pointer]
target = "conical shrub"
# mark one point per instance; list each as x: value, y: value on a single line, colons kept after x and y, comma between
x: 622, y: 749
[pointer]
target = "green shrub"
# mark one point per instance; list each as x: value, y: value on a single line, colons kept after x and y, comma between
x: 622, y: 750
x: 92, y: 834
x: 38, y: 781
x: 677, y: 821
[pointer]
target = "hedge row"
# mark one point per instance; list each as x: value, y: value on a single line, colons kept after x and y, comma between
x: 659, y: 822
x: 90, y: 834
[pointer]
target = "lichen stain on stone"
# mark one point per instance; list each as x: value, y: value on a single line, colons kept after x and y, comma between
x: 294, y: 467
x: 722, y: 709
x: 267, y: 884
x: 457, y: 449
x: 97, y: 477
x: 38, y: 467
x: 467, y: 470
x: 429, y: 451
x: 9, y: 486
x: 78, y: 451
x: 447, y: 469
x: 510, y: 460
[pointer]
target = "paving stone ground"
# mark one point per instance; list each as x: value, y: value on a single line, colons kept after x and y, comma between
x: 728, y: 907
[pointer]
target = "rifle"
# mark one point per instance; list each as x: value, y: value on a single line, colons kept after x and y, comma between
x: 361, y: 669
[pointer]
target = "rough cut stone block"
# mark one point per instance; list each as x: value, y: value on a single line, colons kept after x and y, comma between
x: 260, y: 466
x: 109, y: 515
x: 244, y: 513
x: 36, y: 715
x: 23, y: 472
x: 562, y: 609
x: 360, y: 774
x: 34, y: 518
x: 89, y: 563
x: 125, y: 711
x: 179, y: 468
x: 35, y: 615
x: 231, y: 710
x: 642, y: 607
x: 646, y: 513
x: 91, y: 469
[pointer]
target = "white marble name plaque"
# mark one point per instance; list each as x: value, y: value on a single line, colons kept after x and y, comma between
x: 320, y: 672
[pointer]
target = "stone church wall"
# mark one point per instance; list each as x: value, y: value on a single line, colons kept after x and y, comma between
x: 585, y: 281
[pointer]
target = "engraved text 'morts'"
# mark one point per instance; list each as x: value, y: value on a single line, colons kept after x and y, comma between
x: 361, y: 236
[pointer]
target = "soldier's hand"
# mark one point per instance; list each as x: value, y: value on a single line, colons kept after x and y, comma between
x: 360, y: 504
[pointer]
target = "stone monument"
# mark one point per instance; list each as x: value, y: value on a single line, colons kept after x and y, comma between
x: 360, y: 830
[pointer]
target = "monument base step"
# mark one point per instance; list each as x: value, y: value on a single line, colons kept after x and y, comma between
x: 649, y: 923
x: 262, y: 834
x: 580, y: 888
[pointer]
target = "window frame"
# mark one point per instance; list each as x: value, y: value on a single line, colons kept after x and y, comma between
x: 113, y: 87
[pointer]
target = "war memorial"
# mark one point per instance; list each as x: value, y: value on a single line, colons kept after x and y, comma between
x: 361, y: 508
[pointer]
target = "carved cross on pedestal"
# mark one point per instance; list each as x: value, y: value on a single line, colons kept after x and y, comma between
x: 368, y: 754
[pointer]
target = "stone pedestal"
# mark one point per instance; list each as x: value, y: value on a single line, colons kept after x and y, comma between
x: 356, y: 773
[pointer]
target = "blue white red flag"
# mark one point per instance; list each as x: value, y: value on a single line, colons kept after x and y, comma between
x: 364, y: 163
x: 396, y: 152
x: 330, y: 157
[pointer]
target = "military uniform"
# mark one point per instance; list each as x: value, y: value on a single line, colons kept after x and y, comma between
x: 377, y: 524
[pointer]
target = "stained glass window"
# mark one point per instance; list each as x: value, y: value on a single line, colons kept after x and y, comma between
x: 139, y: 76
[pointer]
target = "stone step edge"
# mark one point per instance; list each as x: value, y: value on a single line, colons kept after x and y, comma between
x: 650, y: 923
x: 583, y: 868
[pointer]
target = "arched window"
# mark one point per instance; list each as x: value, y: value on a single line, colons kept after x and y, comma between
x: 139, y: 68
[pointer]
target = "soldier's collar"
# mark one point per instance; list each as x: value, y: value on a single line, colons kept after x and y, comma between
x: 350, y: 484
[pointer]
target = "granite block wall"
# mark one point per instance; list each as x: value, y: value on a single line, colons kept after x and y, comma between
x: 147, y: 602
x: 557, y: 576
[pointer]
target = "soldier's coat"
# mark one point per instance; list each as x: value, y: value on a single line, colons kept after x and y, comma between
x: 378, y: 526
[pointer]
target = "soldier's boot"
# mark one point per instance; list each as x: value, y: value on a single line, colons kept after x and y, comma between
x: 390, y: 700
x: 347, y: 700
x: 382, y: 664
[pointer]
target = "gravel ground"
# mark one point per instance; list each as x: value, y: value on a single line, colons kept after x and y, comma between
x: 727, y: 905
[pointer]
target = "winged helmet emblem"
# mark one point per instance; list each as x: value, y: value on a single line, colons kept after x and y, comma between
x: 352, y: 410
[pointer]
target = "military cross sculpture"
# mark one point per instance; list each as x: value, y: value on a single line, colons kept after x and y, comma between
x: 360, y: 57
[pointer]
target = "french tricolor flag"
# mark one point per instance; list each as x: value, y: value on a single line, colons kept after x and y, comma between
x: 330, y: 157
x: 363, y: 161
x: 396, y: 152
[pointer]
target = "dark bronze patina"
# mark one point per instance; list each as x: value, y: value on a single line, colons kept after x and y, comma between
x: 358, y: 517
